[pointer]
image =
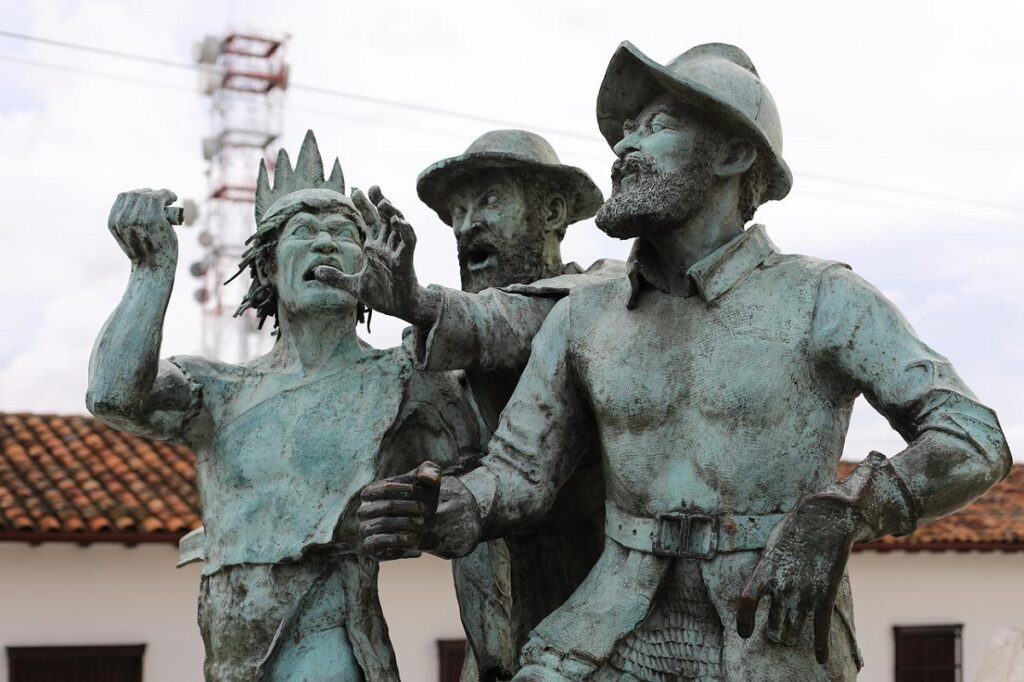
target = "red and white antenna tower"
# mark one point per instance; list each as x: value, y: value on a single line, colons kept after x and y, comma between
x: 245, y: 75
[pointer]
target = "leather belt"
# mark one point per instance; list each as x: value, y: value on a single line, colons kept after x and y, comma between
x: 689, y: 534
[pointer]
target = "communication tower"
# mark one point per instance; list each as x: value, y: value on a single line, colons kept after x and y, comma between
x: 245, y: 76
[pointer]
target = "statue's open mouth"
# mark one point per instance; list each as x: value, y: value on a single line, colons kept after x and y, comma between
x: 481, y: 257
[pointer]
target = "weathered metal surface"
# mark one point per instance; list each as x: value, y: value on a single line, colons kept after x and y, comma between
x: 719, y: 376
x: 283, y: 443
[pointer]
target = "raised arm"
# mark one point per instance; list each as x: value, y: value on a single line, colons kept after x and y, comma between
x: 130, y: 388
x: 453, y: 329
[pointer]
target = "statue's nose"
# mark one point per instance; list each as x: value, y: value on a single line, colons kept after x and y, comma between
x: 324, y: 244
x: 469, y: 227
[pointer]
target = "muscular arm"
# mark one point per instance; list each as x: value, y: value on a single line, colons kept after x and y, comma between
x: 532, y: 453
x: 538, y: 440
x: 956, y: 449
x: 488, y: 331
x: 129, y: 386
x: 860, y: 344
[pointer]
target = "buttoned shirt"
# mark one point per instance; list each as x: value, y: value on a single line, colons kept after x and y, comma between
x: 733, y: 399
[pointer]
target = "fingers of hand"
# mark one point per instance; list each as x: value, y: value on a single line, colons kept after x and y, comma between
x: 369, y: 213
x: 785, y: 619
x: 167, y: 197
x: 376, y: 196
x: 390, y: 545
x: 392, y: 490
x: 822, y: 630
x: 383, y: 508
x: 390, y: 525
x: 393, y: 554
x: 746, y: 610
x: 404, y: 229
x: 428, y: 473
x: 394, y: 234
x: 335, y: 278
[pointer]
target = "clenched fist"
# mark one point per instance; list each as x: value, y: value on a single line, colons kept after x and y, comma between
x: 140, y: 227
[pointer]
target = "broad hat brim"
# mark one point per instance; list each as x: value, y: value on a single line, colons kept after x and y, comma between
x: 434, y: 184
x: 633, y: 79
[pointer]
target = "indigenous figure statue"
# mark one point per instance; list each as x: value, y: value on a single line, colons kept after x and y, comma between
x: 509, y: 201
x: 720, y: 375
x: 283, y: 443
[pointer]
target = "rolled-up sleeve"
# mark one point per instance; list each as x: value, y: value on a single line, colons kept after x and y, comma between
x: 538, y: 441
x: 862, y: 344
x: 488, y: 331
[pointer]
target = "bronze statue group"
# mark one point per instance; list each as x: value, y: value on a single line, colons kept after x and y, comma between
x: 632, y: 466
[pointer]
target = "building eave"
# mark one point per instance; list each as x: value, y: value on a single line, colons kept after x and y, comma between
x: 1008, y: 547
x: 129, y: 538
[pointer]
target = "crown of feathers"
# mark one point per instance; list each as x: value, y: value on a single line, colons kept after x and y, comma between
x: 307, y: 174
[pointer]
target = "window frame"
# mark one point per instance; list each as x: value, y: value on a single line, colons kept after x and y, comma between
x: 451, y: 654
x: 20, y: 654
x: 902, y: 668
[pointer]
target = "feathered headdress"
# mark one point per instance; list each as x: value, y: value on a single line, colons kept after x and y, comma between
x: 307, y: 174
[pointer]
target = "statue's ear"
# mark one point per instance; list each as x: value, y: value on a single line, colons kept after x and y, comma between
x: 556, y: 212
x: 735, y: 158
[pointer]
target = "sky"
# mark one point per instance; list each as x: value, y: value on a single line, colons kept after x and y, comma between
x: 901, y: 124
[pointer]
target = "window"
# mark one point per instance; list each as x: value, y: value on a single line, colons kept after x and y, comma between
x: 451, y: 653
x: 76, y: 663
x: 928, y: 653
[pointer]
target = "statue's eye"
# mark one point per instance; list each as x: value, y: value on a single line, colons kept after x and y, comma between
x: 492, y: 199
x: 628, y: 126
x: 458, y: 212
x: 304, y: 230
x: 657, y: 126
x: 346, y: 232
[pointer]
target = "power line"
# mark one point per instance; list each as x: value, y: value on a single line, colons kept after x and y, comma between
x: 438, y: 111
x: 97, y: 74
x: 389, y: 124
x: 181, y: 88
x: 319, y: 90
x: 99, y: 50
x: 912, y: 209
x: 916, y: 192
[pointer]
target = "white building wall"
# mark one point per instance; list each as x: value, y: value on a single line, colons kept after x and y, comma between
x: 63, y: 594
x: 982, y: 591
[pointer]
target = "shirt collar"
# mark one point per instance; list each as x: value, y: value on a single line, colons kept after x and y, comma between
x: 713, y: 275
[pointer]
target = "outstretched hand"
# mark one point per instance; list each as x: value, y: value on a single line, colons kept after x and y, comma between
x: 387, y: 281
x: 800, y: 572
x: 394, y: 513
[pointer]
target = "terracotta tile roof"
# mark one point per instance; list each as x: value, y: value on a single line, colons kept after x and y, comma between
x: 995, y: 521
x: 74, y: 478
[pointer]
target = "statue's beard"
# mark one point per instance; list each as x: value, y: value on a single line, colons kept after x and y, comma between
x: 489, y: 260
x: 654, y: 200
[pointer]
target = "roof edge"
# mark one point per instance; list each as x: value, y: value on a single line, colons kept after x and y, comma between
x: 939, y: 547
x: 34, y: 537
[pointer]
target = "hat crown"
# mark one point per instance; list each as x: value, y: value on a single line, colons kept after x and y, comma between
x: 728, y: 72
x: 519, y: 143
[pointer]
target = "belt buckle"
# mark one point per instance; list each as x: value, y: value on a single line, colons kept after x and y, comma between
x: 677, y: 532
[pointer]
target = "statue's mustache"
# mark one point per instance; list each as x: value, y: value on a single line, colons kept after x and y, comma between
x: 637, y: 162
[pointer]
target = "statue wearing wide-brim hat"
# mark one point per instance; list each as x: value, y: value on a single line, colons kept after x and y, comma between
x: 518, y: 151
x: 717, y: 79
